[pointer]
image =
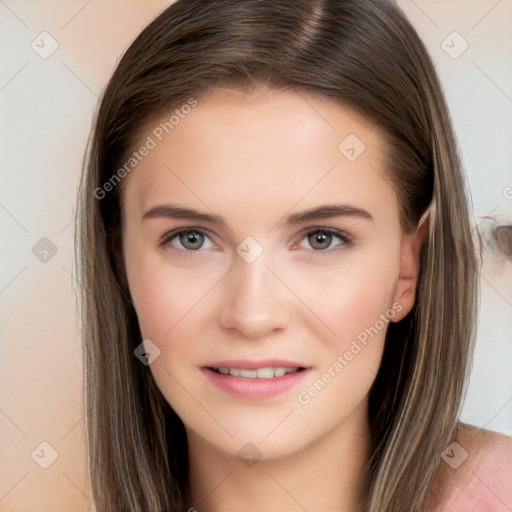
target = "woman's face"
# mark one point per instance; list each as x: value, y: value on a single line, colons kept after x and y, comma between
x: 261, y: 237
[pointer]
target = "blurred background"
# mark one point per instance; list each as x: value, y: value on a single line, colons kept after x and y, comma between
x: 56, y: 57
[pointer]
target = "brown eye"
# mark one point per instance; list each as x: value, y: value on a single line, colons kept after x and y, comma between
x: 326, y: 240
x: 191, y: 240
x: 320, y: 240
x: 188, y: 240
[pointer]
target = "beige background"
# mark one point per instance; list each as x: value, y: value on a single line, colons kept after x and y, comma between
x: 46, y: 108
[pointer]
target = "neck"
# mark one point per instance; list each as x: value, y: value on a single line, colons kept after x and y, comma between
x: 324, y: 475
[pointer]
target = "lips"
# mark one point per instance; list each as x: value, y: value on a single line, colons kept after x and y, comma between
x: 253, y: 364
x: 255, y: 379
x: 257, y: 373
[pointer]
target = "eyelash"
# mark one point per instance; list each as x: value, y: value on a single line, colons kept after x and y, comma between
x: 168, y: 237
x: 344, y: 238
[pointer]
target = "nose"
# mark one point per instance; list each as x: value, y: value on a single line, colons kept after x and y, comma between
x: 255, y: 303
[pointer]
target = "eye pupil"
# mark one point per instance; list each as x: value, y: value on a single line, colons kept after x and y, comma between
x: 320, y: 240
x: 191, y: 240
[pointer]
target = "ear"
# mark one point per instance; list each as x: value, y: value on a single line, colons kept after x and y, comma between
x: 410, y: 259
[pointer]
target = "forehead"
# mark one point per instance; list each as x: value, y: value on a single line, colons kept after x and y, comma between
x: 263, y: 152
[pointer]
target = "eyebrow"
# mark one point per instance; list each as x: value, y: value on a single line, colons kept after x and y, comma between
x: 178, y: 212
x: 319, y: 213
x: 328, y: 211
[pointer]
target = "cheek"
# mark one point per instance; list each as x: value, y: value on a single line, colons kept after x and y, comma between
x: 350, y: 299
x: 164, y: 296
x: 157, y: 308
x: 171, y: 306
x: 358, y: 311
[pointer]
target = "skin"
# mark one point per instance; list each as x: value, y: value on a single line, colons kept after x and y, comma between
x: 254, y: 160
x: 482, y: 481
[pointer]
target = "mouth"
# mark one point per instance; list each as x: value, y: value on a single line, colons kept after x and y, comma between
x: 267, y: 372
x: 255, y: 380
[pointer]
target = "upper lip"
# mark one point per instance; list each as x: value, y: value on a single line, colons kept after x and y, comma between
x: 251, y: 364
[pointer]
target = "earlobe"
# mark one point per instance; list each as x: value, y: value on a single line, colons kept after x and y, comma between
x: 410, y: 258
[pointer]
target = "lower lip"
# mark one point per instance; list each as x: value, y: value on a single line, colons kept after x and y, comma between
x: 256, y: 389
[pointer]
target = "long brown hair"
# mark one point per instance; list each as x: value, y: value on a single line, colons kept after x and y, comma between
x: 366, y: 55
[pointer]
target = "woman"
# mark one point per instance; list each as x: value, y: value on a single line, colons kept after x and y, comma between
x: 279, y: 283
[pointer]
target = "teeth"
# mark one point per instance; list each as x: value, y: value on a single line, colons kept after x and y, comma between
x: 264, y: 373
x: 279, y: 372
x: 250, y: 374
x: 259, y: 373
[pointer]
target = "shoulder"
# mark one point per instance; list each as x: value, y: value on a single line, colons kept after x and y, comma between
x: 476, y: 471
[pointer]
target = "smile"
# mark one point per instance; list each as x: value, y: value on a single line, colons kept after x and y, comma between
x: 257, y: 373
x: 251, y: 380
